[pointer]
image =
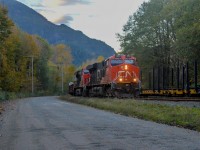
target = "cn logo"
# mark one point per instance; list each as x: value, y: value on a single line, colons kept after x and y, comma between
x: 123, y: 74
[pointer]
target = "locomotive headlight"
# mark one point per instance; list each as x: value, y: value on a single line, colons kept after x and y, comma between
x: 120, y: 79
x: 126, y: 67
x: 134, y: 80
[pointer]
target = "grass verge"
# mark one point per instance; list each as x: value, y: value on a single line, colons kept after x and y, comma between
x: 172, y: 115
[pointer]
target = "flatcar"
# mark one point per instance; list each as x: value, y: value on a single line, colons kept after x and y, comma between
x: 181, y: 80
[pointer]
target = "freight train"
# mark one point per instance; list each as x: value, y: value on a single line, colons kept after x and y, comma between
x: 117, y: 76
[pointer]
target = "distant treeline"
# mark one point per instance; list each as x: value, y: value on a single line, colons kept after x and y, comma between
x: 163, y: 33
x: 17, y: 49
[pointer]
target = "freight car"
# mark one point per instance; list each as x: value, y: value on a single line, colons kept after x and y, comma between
x: 182, y: 80
x: 117, y: 76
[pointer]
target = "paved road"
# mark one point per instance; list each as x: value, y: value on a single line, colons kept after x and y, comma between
x: 47, y: 123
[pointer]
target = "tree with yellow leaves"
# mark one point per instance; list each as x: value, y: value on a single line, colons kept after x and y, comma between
x: 61, y: 62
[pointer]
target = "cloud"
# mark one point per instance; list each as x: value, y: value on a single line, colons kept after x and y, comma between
x: 44, y: 10
x: 74, y: 2
x: 64, y: 20
x: 58, y: 3
x: 37, y: 5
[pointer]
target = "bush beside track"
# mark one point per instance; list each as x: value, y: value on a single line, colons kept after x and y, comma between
x: 176, y: 116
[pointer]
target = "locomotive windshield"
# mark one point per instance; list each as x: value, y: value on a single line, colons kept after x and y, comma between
x: 86, y: 71
x: 129, y: 61
x: 115, y: 62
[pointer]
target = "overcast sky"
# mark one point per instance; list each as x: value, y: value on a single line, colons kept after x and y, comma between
x: 99, y: 19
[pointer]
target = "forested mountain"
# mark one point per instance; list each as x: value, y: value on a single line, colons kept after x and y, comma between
x: 30, y: 21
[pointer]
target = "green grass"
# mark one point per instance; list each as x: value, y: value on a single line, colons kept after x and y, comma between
x: 172, y: 115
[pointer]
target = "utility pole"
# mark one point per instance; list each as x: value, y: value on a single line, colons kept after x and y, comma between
x: 62, y: 77
x: 32, y: 82
x: 32, y: 74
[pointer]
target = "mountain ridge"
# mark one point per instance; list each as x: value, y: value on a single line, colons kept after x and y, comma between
x: 82, y: 47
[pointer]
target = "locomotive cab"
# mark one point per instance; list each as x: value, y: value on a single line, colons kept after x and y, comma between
x: 82, y: 79
x: 85, y: 77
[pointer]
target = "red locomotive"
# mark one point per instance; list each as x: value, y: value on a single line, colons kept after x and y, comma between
x: 117, y: 76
